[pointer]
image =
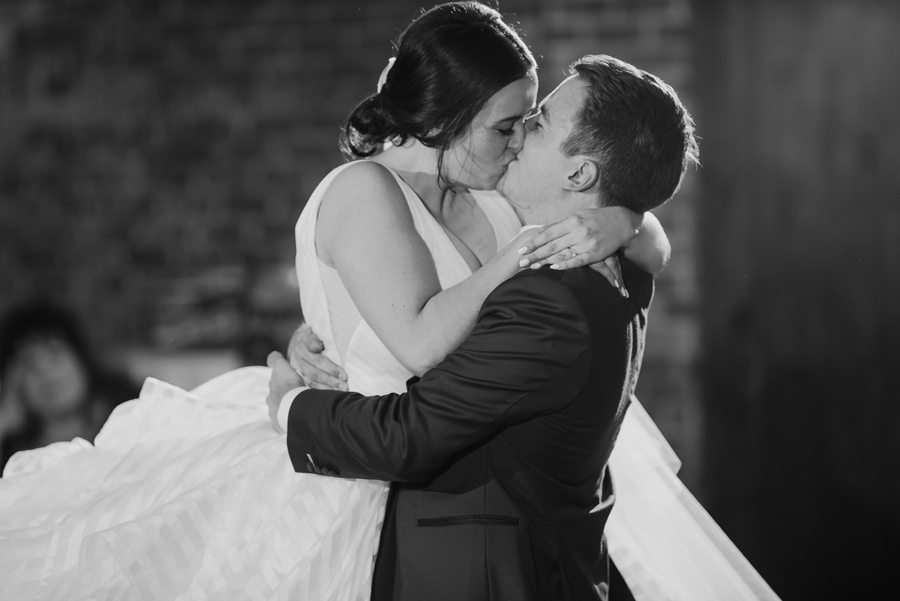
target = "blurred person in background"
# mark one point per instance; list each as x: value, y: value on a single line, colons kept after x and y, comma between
x: 53, y: 388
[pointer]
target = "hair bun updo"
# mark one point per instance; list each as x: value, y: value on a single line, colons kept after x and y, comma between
x: 367, y: 128
x: 440, y: 79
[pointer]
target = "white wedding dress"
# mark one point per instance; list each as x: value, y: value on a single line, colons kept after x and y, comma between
x: 191, y: 495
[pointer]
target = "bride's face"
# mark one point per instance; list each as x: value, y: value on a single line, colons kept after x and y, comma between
x: 478, y: 159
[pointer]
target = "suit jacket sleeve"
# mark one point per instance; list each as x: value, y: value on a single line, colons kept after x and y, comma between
x: 527, y: 356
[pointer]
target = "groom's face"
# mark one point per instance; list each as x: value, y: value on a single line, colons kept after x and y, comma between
x: 538, y: 175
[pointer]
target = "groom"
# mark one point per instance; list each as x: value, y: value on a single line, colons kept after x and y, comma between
x: 499, y: 454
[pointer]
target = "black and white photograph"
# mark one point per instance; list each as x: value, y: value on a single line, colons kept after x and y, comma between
x: 479, y: 300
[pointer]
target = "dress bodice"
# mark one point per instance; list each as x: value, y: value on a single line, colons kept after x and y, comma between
x: 327, y: 307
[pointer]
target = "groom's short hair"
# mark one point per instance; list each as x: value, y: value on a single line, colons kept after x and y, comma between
x: 636, y: 128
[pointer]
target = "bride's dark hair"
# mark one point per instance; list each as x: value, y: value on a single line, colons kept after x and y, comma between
x: 449, y: 62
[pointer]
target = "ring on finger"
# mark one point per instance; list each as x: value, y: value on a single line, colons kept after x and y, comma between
x: 572, y: 250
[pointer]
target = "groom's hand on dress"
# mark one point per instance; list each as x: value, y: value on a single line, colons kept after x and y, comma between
x: 283, y: 379
x: 305, y: 355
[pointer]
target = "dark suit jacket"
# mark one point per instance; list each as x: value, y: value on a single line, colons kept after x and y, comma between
x: 499, y: 453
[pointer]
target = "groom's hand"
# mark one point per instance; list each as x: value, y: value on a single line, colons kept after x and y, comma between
x: 305, y: 355
x: 284, y: 378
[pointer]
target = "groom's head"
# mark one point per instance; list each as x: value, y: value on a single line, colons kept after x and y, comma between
x: 609, y: 135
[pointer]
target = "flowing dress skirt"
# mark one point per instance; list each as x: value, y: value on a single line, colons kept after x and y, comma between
x: 184, y: 496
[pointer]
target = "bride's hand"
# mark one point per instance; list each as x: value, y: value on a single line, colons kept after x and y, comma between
x: 510, y: 255
x: 305, y: 354
x: 594, y: 234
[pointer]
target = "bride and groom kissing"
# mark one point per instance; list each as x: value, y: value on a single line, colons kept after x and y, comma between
x: 504, y: 457
x: 498, y: 455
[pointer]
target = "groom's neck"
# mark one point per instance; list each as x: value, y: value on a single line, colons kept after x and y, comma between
x: 530, y: 219
x: 533, y: 212
x: 547, y: 211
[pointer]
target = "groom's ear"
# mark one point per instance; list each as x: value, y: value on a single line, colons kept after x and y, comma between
x: 583, y: 175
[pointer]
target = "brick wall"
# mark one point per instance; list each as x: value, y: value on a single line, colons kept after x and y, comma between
x: 153, y: 147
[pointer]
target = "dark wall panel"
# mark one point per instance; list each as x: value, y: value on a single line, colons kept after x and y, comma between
x: 800, y: 272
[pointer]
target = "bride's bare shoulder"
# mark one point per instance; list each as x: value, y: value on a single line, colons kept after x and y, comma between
x: 362, y: 185
x: 362, y: 198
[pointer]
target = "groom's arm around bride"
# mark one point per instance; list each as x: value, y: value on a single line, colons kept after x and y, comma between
x: 502, y: 447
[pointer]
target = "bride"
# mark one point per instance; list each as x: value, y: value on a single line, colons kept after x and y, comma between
x: 191, y: 495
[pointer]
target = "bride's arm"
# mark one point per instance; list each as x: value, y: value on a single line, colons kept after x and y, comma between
x: 598, y: 233
x: 650, y: 248
x: 366, y: 232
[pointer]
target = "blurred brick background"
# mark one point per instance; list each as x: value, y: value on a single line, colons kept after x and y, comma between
x: 155, y: 154
x: 146, y: 143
